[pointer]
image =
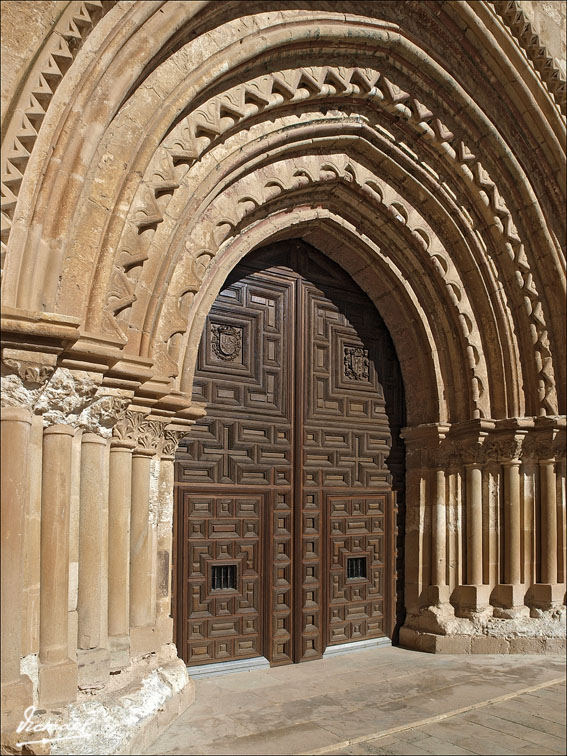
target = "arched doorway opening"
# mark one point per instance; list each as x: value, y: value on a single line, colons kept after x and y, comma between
x: 289, y: 493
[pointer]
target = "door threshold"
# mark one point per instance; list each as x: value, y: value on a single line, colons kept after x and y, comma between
x: 227, y: 668
x: 362, y: 645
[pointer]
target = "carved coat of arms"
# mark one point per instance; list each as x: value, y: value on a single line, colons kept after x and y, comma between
x: 226, y: 341
x: 356, y: 363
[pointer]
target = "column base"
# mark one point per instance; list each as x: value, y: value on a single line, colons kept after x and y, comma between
x: 508, y: 601
x: 545, y: 595
x: 434, y: 595
x: 164, y: 630
x: 119, y: 652
x: 143, y: 640
x: 93, y: 667
x: 16, y: 697
x: 470, y: 599
x: 58, y: 684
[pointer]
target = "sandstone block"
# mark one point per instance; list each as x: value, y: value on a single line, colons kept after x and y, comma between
x: 143, y: 640
x: 452, y: 644
x: 16, y: 697
x: 470, y: 598
x: 93, y: 667
x: 545, y: 595
x: 555, y: 645
x: 57, y: 684
x: 527, y: 645
x: 508, y: 596
x: 485, y: 644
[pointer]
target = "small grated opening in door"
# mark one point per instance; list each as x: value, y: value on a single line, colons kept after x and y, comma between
x: 356, y: 567
x: 223, y: 577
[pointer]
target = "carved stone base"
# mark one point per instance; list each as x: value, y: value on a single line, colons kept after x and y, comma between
x: 546, y: 595
x: 439, y: 630
x: 94, y: 666
x: 57, y: 684
x: 143, y: 640
x: 127, y: 716
x: 470, y: 599
x: 16, y: 697
x: 508, y: 601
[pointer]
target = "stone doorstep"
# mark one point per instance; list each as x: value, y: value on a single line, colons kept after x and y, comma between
x: 135, y: 736
x: 160, y: 721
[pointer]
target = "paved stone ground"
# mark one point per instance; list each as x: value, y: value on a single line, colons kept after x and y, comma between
x: 381, y: 701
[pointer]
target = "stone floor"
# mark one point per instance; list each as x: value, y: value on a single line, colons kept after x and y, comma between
x: 380, y: 701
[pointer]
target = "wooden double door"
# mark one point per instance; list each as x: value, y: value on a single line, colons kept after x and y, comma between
x: 285, y: 509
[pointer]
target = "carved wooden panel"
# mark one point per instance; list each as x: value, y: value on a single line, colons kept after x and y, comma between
x: 357, y: 530
x: 222, y: 532
x: 291, y: 471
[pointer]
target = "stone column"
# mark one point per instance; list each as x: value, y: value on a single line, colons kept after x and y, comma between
x: 545, y: 445
x: 143, y: 638
x: 474, y: 596
x: 512, y: 552
x: 474, y: 524
x: 164, y: 620
x: 93, y: 657
x: 16, y: 432
x: 57, y: 673
x: 440, y: 590
x: 548, y: 538
x: 119, y: 504
x: 508, y: 597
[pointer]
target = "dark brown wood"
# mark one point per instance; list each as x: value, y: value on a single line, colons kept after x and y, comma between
x: 294, y: 468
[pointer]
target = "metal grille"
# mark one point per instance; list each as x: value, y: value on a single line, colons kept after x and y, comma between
x: 223, y: 577
x: 356, y: 567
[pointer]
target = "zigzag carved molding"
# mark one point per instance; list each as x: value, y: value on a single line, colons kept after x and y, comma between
x: 522, y: 30
x: 55, y: 59
x: 200, y: 130
x: 289, y: 176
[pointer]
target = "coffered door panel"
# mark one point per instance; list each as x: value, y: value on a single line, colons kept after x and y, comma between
x: 234, y: 474
x: 344, y: 482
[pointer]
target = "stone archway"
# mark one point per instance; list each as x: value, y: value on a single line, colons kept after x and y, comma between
x: 149, y: 148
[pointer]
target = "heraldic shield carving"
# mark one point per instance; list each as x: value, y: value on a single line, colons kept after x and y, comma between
x: 356, y: 363
x: 226, y: 341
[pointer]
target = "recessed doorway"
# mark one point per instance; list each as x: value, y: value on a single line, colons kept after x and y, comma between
x: 286, y: 490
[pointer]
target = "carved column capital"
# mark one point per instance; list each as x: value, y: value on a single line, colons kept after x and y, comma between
x: 423, y: 444
x: 24, y: 376
x: 171, y: 438
x: 506, y: 449
x: 125, y: 432
x: 150, y: 435
x: 472, y: 451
